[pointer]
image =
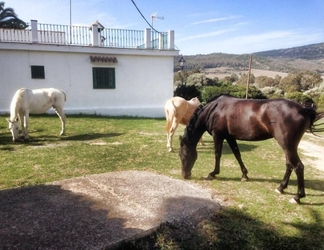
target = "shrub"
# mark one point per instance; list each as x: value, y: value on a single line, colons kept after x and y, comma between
x: 187, y: 91
x: 234, y: 90
x: 299, y: 97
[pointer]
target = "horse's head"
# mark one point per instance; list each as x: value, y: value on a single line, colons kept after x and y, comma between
x: 13, y: 127
x: 188, y: 156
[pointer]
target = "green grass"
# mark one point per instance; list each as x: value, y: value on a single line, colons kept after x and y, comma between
x: 253, y: 216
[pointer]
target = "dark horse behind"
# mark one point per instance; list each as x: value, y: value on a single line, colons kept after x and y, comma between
x: 228, y: 118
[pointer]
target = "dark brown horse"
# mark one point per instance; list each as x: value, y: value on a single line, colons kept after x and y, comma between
x: 229, y: 118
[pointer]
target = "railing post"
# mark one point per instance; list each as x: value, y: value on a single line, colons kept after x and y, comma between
x: 34, y: 31
x: 147, y: 39
x: 95, y: 35
x: 161, y: 41
x: 171, y: 40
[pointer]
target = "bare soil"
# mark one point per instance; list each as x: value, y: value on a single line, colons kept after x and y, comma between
x: 314, y: 153
x: 222, y: 72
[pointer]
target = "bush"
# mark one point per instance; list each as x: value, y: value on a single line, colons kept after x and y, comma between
x: 234, y: 90
x: 299, y: 97
x: 187, y: 92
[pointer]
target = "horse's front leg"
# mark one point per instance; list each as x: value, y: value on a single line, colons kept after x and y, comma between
x: 218, y: 143
x: 24, y: 126
x: 234, y: 147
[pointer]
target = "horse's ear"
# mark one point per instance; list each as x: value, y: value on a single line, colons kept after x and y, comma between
x: 8, y: 120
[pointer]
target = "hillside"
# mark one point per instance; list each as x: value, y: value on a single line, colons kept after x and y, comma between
x: 310, y: 52
x: 309, y: 57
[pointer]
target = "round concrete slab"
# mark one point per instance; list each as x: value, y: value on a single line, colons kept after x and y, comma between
x: 97, y: 211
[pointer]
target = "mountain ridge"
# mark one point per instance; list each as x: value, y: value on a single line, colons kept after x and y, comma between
x: 307, y: 57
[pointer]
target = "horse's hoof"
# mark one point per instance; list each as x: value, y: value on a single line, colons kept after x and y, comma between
x: 294, y: 201
x: 210, y: 177
x: 278, y: 191
x: 170, y: 150
x: 245, y: 179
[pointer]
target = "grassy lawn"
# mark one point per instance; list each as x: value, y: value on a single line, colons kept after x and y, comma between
x: 253, y: 217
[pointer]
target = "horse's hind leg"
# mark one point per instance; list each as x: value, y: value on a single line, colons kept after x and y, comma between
x: 171, y: 132
x: 284, y: 184
x: 234, y: 147
x: 293, y: 162
x: 60, y: 113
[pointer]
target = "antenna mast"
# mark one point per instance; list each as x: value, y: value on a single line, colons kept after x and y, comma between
x: 154, y: 16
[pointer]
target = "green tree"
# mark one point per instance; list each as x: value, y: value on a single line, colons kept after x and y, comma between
x: 180, y: 76
x: 244, y: 77
x: 9, y: 19
x: 187, y: 91
x: 230, y: 79
x: 300, y: 81
x: 265, y: 81
x: 234, y: 90
x: 290, y: 83
x: 309, y: 79
x: 299, y: 97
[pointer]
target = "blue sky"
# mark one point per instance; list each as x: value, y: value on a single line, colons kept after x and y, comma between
x: 201, y: 27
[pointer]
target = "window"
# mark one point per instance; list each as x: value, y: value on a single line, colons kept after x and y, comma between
x: 37, y: 72
x: 103, y: 78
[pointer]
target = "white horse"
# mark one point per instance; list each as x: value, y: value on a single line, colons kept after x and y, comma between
x: 178, y: 110
x: 37, y: 101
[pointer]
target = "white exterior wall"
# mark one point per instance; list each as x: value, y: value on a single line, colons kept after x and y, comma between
x: 144, y: 78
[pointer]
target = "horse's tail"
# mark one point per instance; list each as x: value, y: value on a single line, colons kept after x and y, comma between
x: 64, y: 95
x: 315, y: 126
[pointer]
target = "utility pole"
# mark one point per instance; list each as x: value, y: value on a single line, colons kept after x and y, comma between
x: 249, y: 77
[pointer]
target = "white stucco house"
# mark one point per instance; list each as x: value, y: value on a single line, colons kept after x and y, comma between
x: 102, y: 71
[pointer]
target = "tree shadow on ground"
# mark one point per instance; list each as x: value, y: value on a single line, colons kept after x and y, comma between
x: 48, y: 217
x: 231, y: 228
x: 43, y: 140
x: 88, y: 137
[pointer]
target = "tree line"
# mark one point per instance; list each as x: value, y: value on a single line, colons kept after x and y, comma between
x: 303, y: 86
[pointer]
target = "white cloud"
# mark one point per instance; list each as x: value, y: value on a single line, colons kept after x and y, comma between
x: 207, y: 34
x: 245, y: 44
x: 213, y: 20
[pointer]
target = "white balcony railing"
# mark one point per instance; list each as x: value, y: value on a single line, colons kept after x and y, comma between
x: 89, y: 36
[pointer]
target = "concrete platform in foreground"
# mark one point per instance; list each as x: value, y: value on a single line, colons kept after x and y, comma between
x: 97, y: 211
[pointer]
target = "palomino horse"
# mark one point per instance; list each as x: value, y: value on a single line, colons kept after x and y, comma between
x: 178, y: 110
x: 37, y: 101
x: 230, y: 118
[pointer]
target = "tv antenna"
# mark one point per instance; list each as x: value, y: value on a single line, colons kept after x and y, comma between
x: 154, y: 17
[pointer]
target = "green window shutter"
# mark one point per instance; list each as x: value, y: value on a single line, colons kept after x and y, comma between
x: 104, y: 78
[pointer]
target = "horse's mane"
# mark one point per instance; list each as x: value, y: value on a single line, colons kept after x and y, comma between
x: 193, y: 120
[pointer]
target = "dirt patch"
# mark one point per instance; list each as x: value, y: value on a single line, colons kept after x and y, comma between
x: 314, y: 152
x: 223, y: 72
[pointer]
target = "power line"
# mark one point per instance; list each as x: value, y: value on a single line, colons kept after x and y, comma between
x: 144, y: 17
